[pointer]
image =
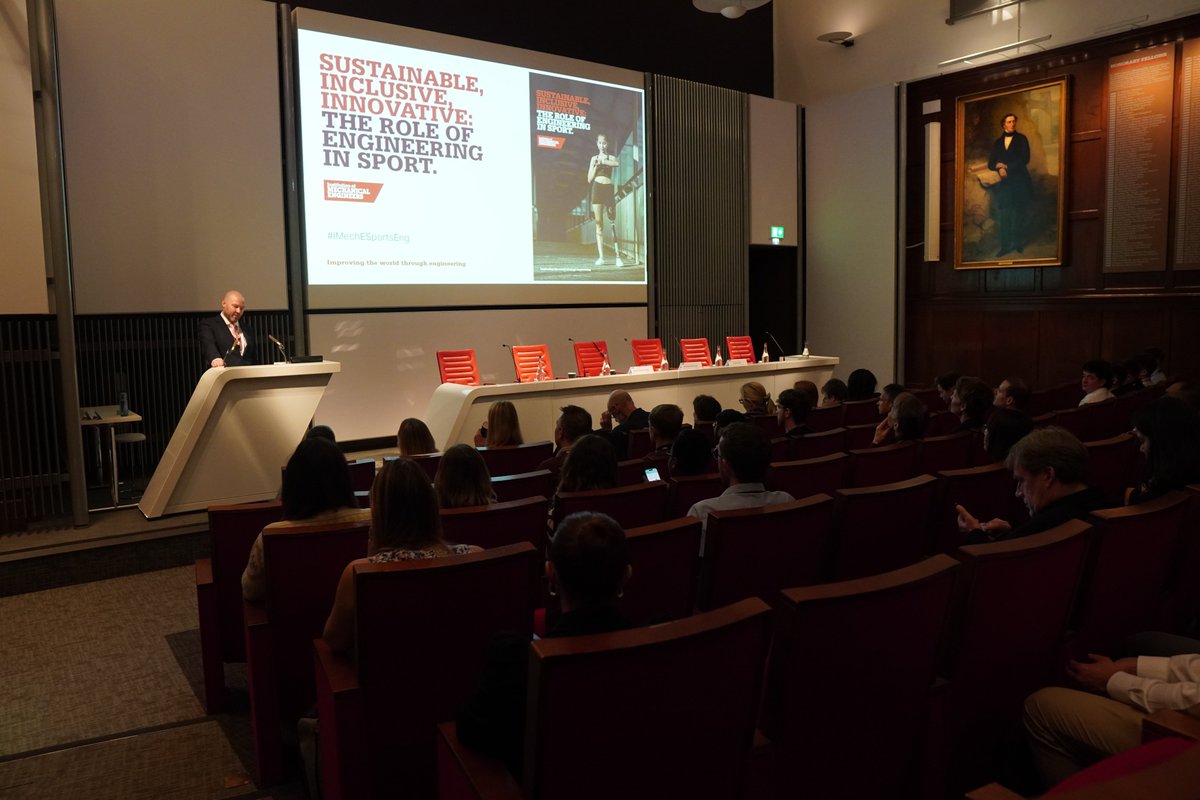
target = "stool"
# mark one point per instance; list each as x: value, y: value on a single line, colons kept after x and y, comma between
x: 122, y: 438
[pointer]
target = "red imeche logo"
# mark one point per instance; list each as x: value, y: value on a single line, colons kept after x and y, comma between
x: 552, y: 142
x: 352, y: 191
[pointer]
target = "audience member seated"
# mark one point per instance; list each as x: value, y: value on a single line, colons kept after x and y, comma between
x: 905, y: 422
x: 502, y: 429
x: 689, y: 454
x: 1168, y: 434
x: 793, y: 410
x: 727, y: 417
x: 1069, y: 729
x: 321, y: 432
x: 1050, y: 467
x: 414, y: 438
x: 833, y: 392
x: 1188, y: 392
x: 666, y: 421
x: 1004, y: 428
x: 883, y: 431
x: 809, y: 390
x: 705, y: 408
x: 861, y: 385
x: 316, y: 489
x: 591, y: 464
x: 756, y: 400
x: 743, y: 455
x: 1152, y: 361
x: 945, y: 386
x: 462, y: 479
x: 1013, y: 392
x: 628, y: 416
x: 1096, y: 382
x: 587, y: 568
x: 1125, y: 377
x: 972, y: 401
x: 573, y: 423
x: 405, y: 526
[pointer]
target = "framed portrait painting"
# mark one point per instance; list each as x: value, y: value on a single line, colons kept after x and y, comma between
x: 1010, y: 177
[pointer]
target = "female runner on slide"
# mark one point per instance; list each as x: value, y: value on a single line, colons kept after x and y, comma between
x: 603, y: 196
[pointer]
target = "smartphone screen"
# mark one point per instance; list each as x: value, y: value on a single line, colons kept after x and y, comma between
x: 652, y: 474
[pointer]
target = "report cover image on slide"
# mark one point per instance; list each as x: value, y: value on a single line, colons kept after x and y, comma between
x: 588, y: 181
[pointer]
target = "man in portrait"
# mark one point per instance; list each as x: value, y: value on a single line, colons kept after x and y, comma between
x: 1012, y: 195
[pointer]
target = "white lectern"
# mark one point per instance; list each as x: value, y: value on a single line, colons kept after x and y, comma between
x: 239, y: 428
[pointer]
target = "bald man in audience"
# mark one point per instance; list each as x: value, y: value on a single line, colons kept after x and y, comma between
x: 628, y: 417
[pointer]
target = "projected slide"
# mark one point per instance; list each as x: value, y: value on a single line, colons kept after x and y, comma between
x: 427, y: 169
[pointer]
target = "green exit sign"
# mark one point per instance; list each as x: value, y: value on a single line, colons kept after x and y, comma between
x: 776, y: 231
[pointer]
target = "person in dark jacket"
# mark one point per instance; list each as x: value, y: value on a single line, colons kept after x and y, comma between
x: 1168, y: 434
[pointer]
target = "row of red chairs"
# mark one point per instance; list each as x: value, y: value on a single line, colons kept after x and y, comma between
x: 532, y: 362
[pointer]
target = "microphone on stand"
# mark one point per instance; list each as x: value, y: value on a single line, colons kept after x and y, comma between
x: 777, y: 344
x: 279, y: 344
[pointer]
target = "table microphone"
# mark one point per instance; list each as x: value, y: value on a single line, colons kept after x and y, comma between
x: 279, y: 344
x: 777, y: 344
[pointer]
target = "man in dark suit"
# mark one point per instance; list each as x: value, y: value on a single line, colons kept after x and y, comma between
x: 1014, y: 193
x: 223, y: 342
x: 628, y: 416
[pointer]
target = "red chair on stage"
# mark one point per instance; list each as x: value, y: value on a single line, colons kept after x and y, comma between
x: 590, y: 358
x: 695, y: 351
x: 740, y: 347
x: 647, y: 352
x: 458, y: 366
x: 527, y: 358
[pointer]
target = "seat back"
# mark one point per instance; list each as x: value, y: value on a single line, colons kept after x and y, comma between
x: 781, y: 448
x: 768, y: 424
x: 639, y: 442
x: 740, y: 347
x: 936, y: 453
x: 987, y: 492
x: 303, y: 565
x: 632, y: 471
x: 666, y: 566
x: 515, y: 459
x: 231, y: 533
x: 810, y: 476
x: 1064, y: 395
x: 886, y: 628
x: 498, y: 524
x: 426, y: 625
x: 819, y: 443
x: 695, y: 351
x: 1080, y: 421
x: 429, y: 462
x: 537, y: 483
x: 873, y: 466
x: 859, y: 437
x: 458, y: 366
x: 1112, y: 466
x: 929, y: 396
x: 631, y: 506
x: 362, y: 474
x: 756, y: 552
x: 860, y: 412
x: 688, y: 490
x: 527, y: 357
x: 825, y: 418
x: 672, y: 734
x: 881, y: 528
x: 647, y: 352
x: 589, y: 357
x: 1125, y: 585
x: 941, y: 423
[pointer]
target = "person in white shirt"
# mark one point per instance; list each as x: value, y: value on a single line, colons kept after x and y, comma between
x: 1096, y: 382
x: 1069, y: 729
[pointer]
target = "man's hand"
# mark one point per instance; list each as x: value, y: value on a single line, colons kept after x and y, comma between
x: 882, y: 429
x: 1094, y: 675
x: 218, y: 362
x: 606, y: 420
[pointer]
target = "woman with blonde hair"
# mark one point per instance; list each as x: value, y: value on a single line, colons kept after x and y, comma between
x: 756, y: 400
x: 414, y: 438
x: 502, y: 429
x: 463, y: 479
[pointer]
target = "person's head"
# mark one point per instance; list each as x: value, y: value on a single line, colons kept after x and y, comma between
x: 666, y: 421
x: 404, y: 508
x: 689, y: 453
x: 1004, y: 428
x: 727, y: 417
x: 1187, y: 392
x: 1047, y: 463
x: 1146, y: 366
x: 705, y: 408
x: 504, y: 428
x: 1097, y: 374
x: 755, y: 399
x: 834, y: 391
x: 972, y: 397
x: 887, y: 397
x: 1013, y: 392
x: 908, y: 416
x: 591, y: 464
x: 809, y: 389
x: 861, y: 385
x: 463, y: 479
x: 574, y: 422
x: 945, y: 385
x: 602, y: 143
x: 1160, y: 358
x: 743, y: 453
x: 1168, y: 434
x: 1009, y: 123
x: 588, y: 563
x: 316, y: 479
x: 233, y: 305
x: 321, y: 432
x: 414, y: 438
x: 620, y: 405
x: 793, y: 409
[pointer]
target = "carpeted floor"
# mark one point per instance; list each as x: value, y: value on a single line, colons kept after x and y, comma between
x: 100, y: 684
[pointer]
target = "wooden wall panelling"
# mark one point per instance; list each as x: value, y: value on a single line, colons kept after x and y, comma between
x: 1183, y: 352
x: 1131, y: 329
x: 954, y: 341
x: 1067, y: 338
x: 1009, y: 344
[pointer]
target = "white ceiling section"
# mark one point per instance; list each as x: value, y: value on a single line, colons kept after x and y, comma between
x: 898, y: 41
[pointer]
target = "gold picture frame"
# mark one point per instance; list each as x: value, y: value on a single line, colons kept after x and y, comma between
x: 1009, y: 190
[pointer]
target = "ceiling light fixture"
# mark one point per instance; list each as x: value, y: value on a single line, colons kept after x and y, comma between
x: 993, y: 51
x: 844, y: 38
x: 730, y: 9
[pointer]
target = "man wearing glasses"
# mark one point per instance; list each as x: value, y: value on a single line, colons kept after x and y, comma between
x: 743, y: 455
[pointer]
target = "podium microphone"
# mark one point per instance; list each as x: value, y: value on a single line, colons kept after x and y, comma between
x: 279, y: 344
x: 777, y: 344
